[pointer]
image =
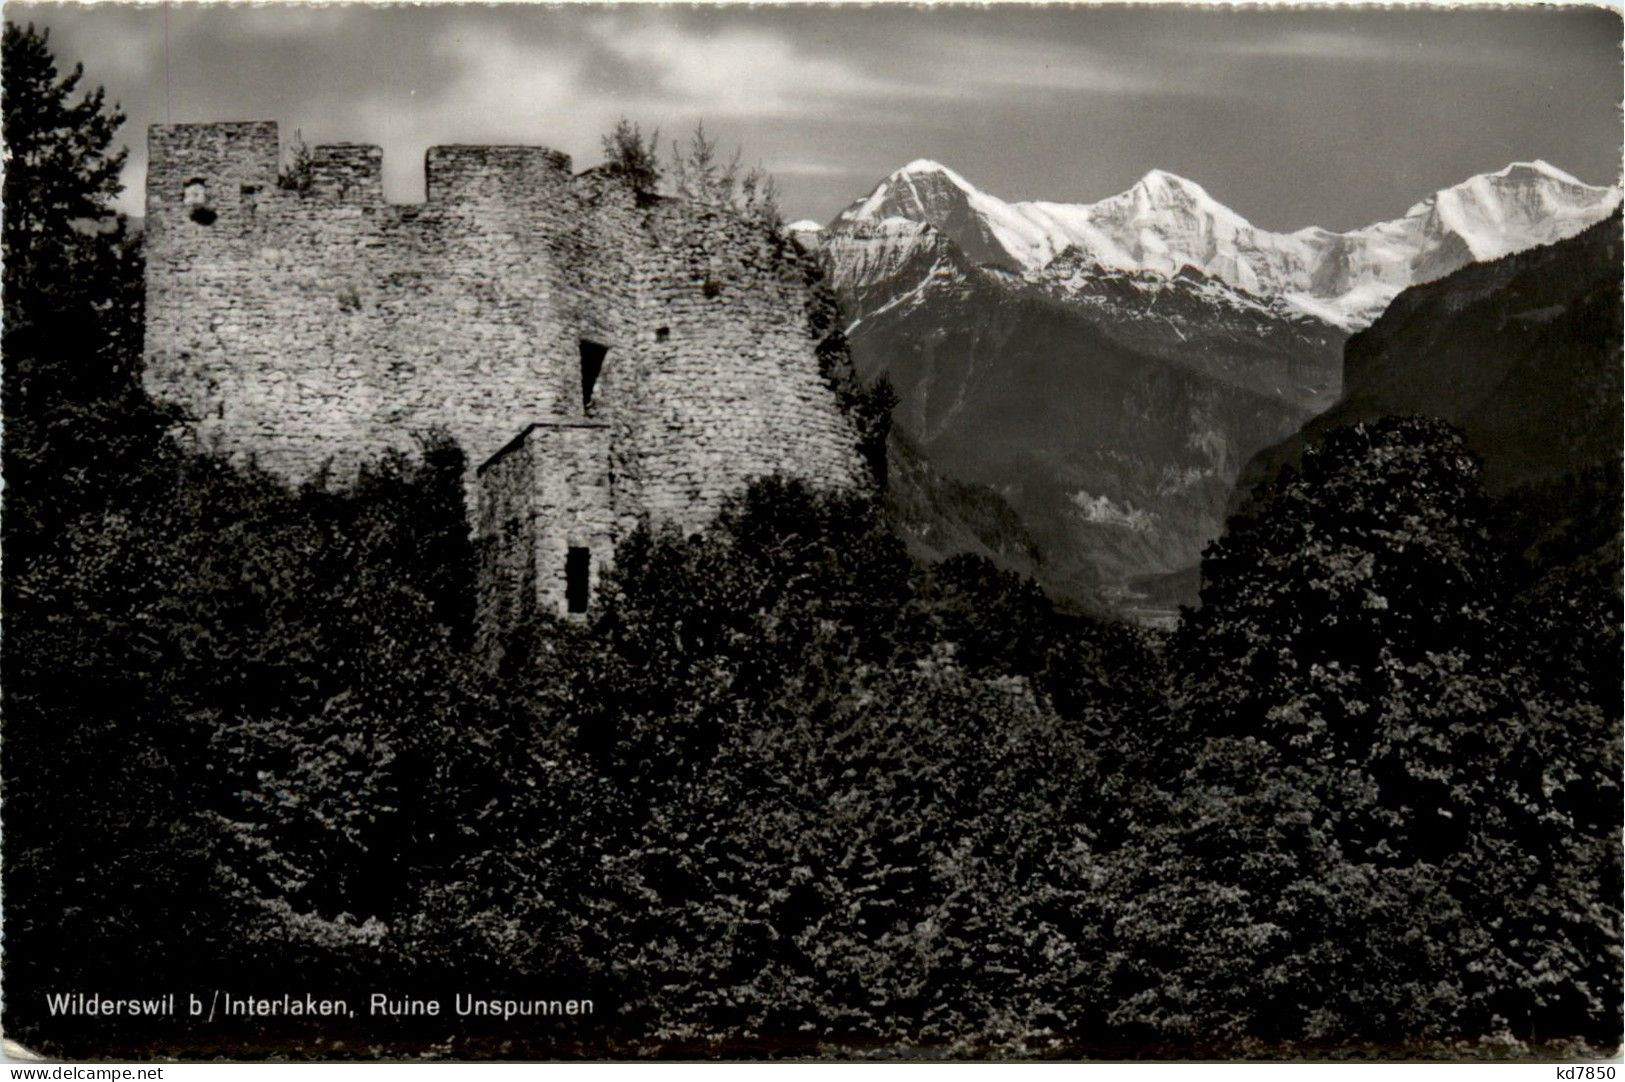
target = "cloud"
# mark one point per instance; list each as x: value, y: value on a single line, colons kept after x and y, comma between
x: 565, y: 88
x: 738, y: 71
x: 506, y: 89
x: 649, y: 66
x: 292, y: 22
x: 1024, y: 64
x: 1313, y: 45
x: 1348, y: 45
x: 815, y: 169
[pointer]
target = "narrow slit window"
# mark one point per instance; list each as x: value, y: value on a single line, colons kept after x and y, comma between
x: 576, y: 564
x: 196, y: 197
x: 592, y: 365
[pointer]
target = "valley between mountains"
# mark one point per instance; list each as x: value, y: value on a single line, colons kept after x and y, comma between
x: 1083, y: 386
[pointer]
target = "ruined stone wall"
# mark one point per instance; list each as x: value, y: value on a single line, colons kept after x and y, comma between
x: 551, y: 490
x: 303, y: 326
x: 734, y: 390
x: 324, y: 325
x: 505, y: 529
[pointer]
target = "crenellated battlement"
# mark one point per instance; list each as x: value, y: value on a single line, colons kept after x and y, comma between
x: 347, y: 172
x: 493, y: 172
x: 228, y: 156
x: 213, y: 165
x: 656, y: 354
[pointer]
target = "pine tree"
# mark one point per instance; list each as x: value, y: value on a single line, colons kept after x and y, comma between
x: 72, y: 282
x: 699, y: 173
x: 61, y: 170
x: 627, y: 154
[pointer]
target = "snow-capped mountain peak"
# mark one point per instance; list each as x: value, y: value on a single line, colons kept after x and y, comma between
x: 988, y: 229
x: 1165, y: 222
x: 926, y: 165
x: 916, y: 185
x: 1538, y: 167
x: 1160, y: 186
x: 1495, y: 214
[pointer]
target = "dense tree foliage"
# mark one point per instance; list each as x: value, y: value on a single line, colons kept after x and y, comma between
x: 1392, y: 827
x: 787, y: 791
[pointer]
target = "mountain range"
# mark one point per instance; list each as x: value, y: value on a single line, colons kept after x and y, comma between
x: 1166, y: 222
x: 1107, y: 370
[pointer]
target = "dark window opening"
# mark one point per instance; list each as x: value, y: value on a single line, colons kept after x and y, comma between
x: 592, y: 363
x: 662, y: 333
x: 576, y: 563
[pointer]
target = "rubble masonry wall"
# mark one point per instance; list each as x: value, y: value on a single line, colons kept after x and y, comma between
x: 319, y: 327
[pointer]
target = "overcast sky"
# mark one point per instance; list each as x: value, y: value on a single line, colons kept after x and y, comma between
x: 1331, y: 117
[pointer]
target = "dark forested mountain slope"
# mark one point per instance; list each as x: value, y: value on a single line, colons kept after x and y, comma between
x: 1115, y: 449
x: 1197, y: 321
x: 1522, y: 354
x: 941, y: 516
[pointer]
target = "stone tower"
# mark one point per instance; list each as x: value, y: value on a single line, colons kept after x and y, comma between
x: 600, y: 357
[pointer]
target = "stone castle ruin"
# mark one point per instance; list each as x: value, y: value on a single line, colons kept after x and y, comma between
x: 599, y: 355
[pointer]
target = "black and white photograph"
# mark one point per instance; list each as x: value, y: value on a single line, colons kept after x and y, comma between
x: 880, y: 533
